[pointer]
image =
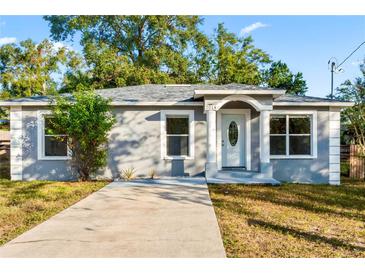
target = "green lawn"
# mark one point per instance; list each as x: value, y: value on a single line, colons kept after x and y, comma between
x: 26, y: 204
x: 291, y: 220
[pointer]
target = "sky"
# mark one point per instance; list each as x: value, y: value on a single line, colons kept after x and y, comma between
x: 304, y: 43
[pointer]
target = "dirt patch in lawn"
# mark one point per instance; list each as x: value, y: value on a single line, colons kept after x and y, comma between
x: 26, y: 204
x: 291, y: 220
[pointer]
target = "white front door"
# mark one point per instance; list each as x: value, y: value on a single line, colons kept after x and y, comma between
x: 232, y: 140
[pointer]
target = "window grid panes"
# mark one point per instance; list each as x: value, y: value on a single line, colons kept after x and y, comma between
x: 55, y: 143
x: 278, y: 135
x: 290, y: 135
x: 177, y: 135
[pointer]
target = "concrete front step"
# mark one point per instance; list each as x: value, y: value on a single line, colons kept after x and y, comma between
x: 242, y: 177
x: 233, y: 174
x: 248, y: 181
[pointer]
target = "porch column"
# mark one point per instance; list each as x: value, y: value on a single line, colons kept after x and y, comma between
x: 211, y: 164
x: 265, y: 165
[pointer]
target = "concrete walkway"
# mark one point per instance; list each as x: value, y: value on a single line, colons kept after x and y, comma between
x: 160, y: 218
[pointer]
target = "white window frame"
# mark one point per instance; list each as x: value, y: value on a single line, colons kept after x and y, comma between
x: 313, y: 134
x: 163, y: 115
x: 41, y: 138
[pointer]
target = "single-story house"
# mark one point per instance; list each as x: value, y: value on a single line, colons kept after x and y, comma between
x: 232, y: 133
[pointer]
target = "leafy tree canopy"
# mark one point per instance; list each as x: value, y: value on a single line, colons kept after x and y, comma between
x: 279, y: 76
x: 354, y: 117
x: 138, y: 49
x: 237, y: 59
x: 132, y: 50
x: 29, y: 68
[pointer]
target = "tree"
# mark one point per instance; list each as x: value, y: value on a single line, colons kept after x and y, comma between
x: 29, y: 68
x: 86, y: 120
x: 138, y: 49
x: 238, y: 60
x: 354, y: 117
x: 279, y: 76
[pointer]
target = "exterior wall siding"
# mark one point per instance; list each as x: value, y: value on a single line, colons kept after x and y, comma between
x: 135, y: 142
x: 334, y: 146
x: 34, y: 169
x: 315, y: 170
x: 16, y: 143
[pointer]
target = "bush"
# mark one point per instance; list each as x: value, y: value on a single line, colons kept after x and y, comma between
x: 128, y: 174
x: 86, y: 119
x: 152, y: 173
x: 345, y: 169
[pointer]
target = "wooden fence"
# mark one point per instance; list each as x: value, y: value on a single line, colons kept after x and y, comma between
x: 4, y: 154
x: 355, y: 160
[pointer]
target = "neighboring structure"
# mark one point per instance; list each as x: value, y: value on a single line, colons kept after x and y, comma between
x: 230, y: 133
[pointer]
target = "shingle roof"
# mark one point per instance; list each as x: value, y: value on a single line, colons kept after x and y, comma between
x: 171, y: 93
x: 299, y: 99
x: 167, y: 93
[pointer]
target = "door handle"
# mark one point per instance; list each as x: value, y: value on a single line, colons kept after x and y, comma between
x: 222, y: 143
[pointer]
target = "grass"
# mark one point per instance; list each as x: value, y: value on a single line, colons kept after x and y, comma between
x: 26, y: 204
x: 291, y: 220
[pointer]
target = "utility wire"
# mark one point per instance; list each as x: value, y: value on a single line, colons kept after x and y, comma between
x: 351, y: 54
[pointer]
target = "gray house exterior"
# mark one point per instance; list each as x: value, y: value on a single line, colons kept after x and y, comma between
x: 227, y: 133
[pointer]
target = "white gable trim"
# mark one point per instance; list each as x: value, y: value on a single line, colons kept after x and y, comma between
x: 243, y: 98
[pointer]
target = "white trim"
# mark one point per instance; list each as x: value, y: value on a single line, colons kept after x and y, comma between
x: 264, y: 136
x: 199, y: 103
x: 317, y: 104
x: 314, y: 134
x: 334, y: 117
x: 211, y: 136
x: 199, y: 93
x: 247, y: 114
x: 40, y: 138
x: 243, y: 98
x: 16, y: 143
x: 48, y: 103
x: 190, y: 114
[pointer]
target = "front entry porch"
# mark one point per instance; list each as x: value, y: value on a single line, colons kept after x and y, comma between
x: 229, y: 141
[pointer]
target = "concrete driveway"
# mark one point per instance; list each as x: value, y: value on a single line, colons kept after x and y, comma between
x: 160, y: 218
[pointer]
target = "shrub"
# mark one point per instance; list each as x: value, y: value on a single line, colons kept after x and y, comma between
x: 152, y: 173
x: 128, y: 174
x: 86, y: 119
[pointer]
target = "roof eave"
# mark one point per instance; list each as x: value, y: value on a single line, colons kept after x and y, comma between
x: 325, y: 104
x: 113, y: 103
x: 200, y: 93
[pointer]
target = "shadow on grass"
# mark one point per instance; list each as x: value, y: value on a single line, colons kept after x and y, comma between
x: 308, y: 236
x: 317, y: 199
x: 24, y: 191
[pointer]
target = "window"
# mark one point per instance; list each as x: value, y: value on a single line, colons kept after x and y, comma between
x: 52, y: 144
x: 292, y: 135
x: 177, y: 131
x: 55, y: 143
x: 233, y: 133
